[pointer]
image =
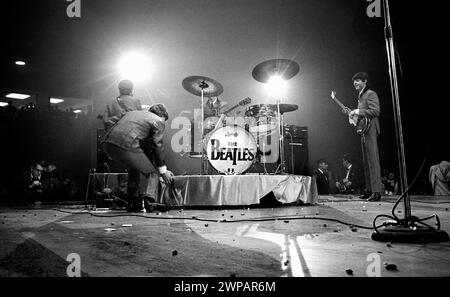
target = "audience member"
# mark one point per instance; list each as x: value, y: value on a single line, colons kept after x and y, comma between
x: 323, y: 177
x: 439, y: 177
x: 351, y: 178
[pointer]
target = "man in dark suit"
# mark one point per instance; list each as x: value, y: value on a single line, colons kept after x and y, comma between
x: 351, y: 181
x: 322, y: 177
x: 136, y: 141
x: 369, y: 106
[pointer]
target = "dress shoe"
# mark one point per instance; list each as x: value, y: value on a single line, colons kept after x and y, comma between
x: 375, y: 197
x: 366, y: 195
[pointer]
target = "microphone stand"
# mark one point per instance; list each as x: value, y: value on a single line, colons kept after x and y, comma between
x: 410, y: 229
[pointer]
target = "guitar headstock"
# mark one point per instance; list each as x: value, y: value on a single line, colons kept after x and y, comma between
x: 333, y: 94
x: 245, y: 101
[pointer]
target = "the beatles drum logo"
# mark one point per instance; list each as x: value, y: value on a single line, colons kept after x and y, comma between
x: 231, y: 150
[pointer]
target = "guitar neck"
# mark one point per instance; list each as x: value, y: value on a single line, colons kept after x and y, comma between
x: 339, y: 102
x: 231, y: 109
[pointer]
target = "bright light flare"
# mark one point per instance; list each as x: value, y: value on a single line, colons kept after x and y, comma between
x: 77, y: 111
x: 3, y: 104
x: 20, y: 63
x: 135, y: 67
x: 56, y: 100
x: 276, y: 86
x: 18, y: 96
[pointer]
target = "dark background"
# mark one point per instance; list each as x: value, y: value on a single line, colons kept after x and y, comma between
x: 225, y: 40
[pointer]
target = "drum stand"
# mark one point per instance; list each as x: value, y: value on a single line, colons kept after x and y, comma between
x: 282, y: 166
x: 203, y: 85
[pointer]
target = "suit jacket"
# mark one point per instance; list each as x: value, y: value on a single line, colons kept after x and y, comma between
x: 369, y: 106
x: 323, y: 182
x: 137, y: 131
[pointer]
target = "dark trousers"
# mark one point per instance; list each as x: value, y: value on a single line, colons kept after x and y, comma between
x: 143, y: 177
x: 371, y: 160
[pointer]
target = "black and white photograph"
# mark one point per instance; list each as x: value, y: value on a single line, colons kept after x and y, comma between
x: 223, y: 147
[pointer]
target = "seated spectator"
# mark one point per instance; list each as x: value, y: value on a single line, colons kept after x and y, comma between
x: 29, y: 184
x: 439, y: 177
x: 323, y: 177
x: 390, y: 184
x: 351, y: 179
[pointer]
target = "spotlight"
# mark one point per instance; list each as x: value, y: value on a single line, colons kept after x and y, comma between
x: 276, y: 86
x: 20, y: 63
x: 135, y: 67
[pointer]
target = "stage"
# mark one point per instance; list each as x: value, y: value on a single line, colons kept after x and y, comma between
x: 325, y: 240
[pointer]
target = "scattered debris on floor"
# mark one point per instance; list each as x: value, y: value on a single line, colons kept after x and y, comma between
x: 286, y: 221
x: 206, y: 225
x: 390, y: 267
x: 324, y: 225
x: 388, y: 244
x: 174, y: 253
x: 349, y: 271
x: 286, y: 263
x: 126, y: 243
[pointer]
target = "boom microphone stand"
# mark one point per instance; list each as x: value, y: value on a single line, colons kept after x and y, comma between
x: 409, y: 229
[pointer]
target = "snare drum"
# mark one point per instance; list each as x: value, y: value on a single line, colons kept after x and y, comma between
x: 231, y: 150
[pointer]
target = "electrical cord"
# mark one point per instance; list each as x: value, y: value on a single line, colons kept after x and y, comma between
x: 195, y: 218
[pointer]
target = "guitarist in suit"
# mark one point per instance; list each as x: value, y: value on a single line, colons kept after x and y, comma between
x: 369, y: 106
x: 351, y: 182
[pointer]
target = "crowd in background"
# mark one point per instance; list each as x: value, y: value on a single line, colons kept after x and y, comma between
x: 56, y: 140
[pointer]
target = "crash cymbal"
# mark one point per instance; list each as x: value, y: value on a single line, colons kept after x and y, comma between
x: 288, y: 107
x: 195, y: 84
x: 284, y: 68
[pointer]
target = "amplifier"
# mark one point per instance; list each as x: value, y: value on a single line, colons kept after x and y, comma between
x: 295, y: 131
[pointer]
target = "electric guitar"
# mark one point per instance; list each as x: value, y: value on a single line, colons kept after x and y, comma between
x: 211, y: 122
x: 361, y: 123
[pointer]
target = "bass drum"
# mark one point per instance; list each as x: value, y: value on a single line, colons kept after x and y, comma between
x: 231, y: 150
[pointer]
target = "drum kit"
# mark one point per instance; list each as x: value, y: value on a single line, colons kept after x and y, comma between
x: 231, y: 149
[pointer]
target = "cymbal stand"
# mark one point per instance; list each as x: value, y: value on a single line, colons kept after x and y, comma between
x: 280, y: 121
x: 203, y: 85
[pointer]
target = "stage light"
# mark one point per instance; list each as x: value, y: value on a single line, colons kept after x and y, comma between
x: 135, y: 67
x: 17, y: 96
x: 56, y: 100
x: 3, y: 104
x: 20, y: 63
x: 276, y: 86
x: 77, y: 111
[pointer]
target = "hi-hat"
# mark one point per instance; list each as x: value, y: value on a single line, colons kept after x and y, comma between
x: 284, y: 68
x: 195, y: 85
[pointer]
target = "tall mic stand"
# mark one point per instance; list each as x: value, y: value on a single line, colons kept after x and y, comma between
x: 410, y: 229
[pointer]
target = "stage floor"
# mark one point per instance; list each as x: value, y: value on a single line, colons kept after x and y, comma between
x: 252, y: 242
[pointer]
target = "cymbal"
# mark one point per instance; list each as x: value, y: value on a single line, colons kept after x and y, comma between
x: 195, y: 84
x: 287, y: 107
x: 287, y: 69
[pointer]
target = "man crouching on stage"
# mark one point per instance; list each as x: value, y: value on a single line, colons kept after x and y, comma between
x: 136, y: 141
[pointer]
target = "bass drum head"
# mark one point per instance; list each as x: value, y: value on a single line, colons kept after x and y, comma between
x: 231, y: 150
